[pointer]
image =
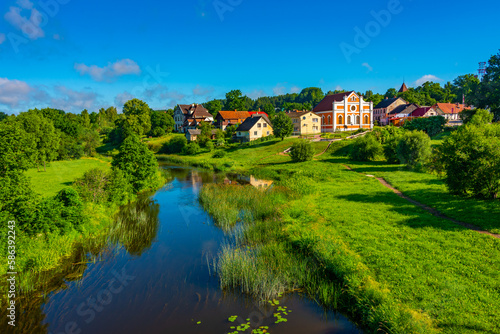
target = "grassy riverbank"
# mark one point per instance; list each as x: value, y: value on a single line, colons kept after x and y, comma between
x: 359, y: 247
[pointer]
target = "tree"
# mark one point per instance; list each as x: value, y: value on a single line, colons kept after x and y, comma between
x: 161, y: 123
x: 282, y: 125
x: 46, y: 138
x: 235, y: 100
x: 3, y: 116
x: 488, y: 94
x: 174, y: 145
x: 17, y: 147
x: 302, y: 151
x: 231, y: 130
x: 465, y: 86
x: 471, y: 160
x: 213, y: 107
x: 138, y: 164
x: 365, y: 148
x: 481, y: 117
x: 430, y: 125
x: 414, y: 149
x: 138, y: 116
x: 85, y: 118
x: 206, y: 133
x: 312, y: 95
x: 270, y: 111
x: 90, y: 141
x: 391, y: 92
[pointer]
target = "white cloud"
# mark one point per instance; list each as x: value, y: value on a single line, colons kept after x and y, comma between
x: 72, y: 100
x: 368, y: 67
x: 14, y: 92
x: 425, y: 78
x: 279, y: 89
x: 26, y: 4
x: 2, y: 38
x: 111, y: 71
x: 256, y: 93
x: 120, y: 99
x: 295, y: 89
x: 202, y: 91
x: 30, y: 27
x: 338, y: 87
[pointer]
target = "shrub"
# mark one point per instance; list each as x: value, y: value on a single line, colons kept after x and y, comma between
x: 191, y: 149
x: 91, y: 186
x: 430, y: 125
x: 219, y: 154
x: 471, y: 160
x: 209, y: 145
x: 414, y: 149
x: 174, y: 145
x: 118, y: 188
x: 365, y: 148
x: 481, y: 117
x: 302, y: 151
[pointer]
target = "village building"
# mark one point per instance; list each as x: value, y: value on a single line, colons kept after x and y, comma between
x: 450, y: 111
x: 400, y: 114
x: 227, y: 118
x: 381, y: 110
x: 193, y: 134
x: 253, y: 128
x: 344, y: 112
x: 305, y: 123
x: 189, y: 116
x: 423, y: 112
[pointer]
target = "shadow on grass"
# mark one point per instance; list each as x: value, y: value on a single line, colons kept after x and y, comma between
x: 374, y: 166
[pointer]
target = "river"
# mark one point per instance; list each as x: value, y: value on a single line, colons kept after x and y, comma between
x: 157, y: 277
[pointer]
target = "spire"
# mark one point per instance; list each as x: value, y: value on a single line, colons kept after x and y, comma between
x: 403, y: 88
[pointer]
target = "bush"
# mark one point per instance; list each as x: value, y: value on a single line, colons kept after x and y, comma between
x: 414, y: 149
x: 219, y: 154
x: 209, y: 145
x: 481, y: 117
x: 471, y: 160
x: 430, y: 125
x: 118, y: 188
x: 302, y: 151
x: 365, y: 148
x: 91, y: 186
x: 191, y: 149
x: 174, y: 145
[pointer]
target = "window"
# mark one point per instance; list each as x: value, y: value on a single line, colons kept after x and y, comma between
x: 329, y: 120
x: 353, y: 108
x: 255, y: 133
x: 349, y: 120
x: 367, y: 119
x: 265, y: 125
x: 357, y: 119
x: 341, y: 119
x: 304, y: 118
x: 259, y: 125
x: 315, y: 120
x: 268, y: 133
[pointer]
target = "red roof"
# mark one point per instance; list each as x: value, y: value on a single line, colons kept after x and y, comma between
x: 327, y: 103
x: 420, y: 112
x: 234, y: 115
x: 257, y: 113
x: 451, y: 108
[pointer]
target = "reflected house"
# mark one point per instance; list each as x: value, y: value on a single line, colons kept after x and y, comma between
x: 248, y: 180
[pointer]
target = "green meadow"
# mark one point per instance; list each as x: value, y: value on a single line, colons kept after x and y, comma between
x: 353, y: 244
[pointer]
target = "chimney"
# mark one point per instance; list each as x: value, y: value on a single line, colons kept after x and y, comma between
x: 387, y: 98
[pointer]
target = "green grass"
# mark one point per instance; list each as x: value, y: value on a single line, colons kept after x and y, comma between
x: 400, y: 269
x: 61, y: 174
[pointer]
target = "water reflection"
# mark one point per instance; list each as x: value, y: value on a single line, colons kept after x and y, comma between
x: 136, y: 225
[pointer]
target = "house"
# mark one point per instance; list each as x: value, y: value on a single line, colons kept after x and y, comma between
x: 189, y: 116
x: 253, y: 128
x: 226, y: 118
x: 381, y: 110
x: 344, y: 112
x: 450, y: 111
x: 193, y: 134
x: 305, y: 123
x: 423, y: 112
x: 400, y: 114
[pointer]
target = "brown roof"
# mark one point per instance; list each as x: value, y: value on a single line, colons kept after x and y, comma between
x: 236, y: 115
x: 451, y: 108
x: 403, y: 88
x: 196, y: 110
x: 327, y: 103
x: 293, y: 114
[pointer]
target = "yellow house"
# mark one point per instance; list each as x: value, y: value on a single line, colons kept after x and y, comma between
x: 305, y: 123
x: 253, y: 128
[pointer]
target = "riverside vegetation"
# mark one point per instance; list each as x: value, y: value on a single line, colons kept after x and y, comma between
x: 352, y: 244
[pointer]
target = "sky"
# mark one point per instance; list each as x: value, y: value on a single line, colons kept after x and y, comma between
x: 88, y: 54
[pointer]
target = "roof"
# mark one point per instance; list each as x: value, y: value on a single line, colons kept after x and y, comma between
x: 257, y: 113
x: 249, y: 123
x: 385, y: 103
x: 327, y: 103
x: 404, y: 109
x: 198, y: 109
x: 293, y: 114
x: 403, y: 88
x: 234, y: 114
x: 420, y: 112
x: 197, y: 132
x: 451, y: 108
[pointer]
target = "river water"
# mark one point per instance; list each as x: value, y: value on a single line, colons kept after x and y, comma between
x: 157, y: 277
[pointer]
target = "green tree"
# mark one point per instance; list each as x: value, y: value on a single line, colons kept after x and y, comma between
x: 213, y: 107
x: 174, y: 145
x: 17, y: 147
x: 235, y: 100
x: 85, y: 117
x: 231, y: 130
x: 430, y: 125
x: 138, y: 119
x: 481, y: 117
x: 282, y: 125
x: 488, y: 94
x: 3, y: 116
x: 471, y: 160
x: 302, y: 151
x: 465, y: 86
x: 161, y: 123
x: 270, y: 111
x: 138, y: 164
x: 311, y: 95
x: 391, y: 92
x: 206, y: 133
x: 90, y: 141
x: 414, y: 149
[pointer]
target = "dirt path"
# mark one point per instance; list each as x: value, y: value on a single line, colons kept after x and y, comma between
x: 429, y: 209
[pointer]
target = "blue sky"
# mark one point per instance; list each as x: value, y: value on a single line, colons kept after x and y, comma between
x: 76, y: 54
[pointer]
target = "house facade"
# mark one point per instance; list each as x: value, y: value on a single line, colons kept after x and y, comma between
x: 400, y: 114
x: 189, y: 116
x: 305, y: 123
x: 381, y: 110
x: 450, y: 111
x: 253, y: 128
x: 424, y: 112
x: 227, y: 118
x: 344, y: 112
x: 192, y: 135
